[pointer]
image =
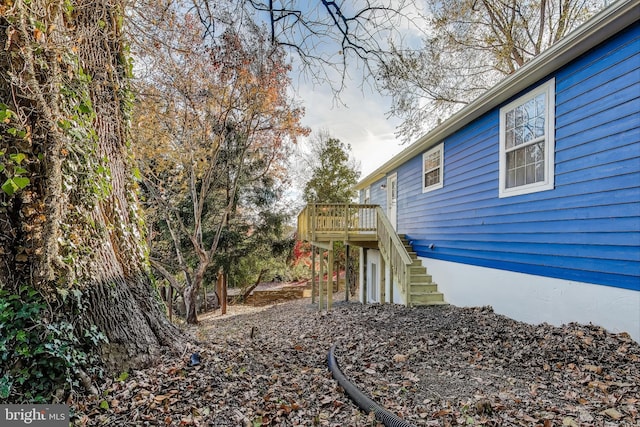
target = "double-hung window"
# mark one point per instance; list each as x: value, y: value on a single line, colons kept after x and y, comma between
x: 527, y: 142
x: 432, y: 168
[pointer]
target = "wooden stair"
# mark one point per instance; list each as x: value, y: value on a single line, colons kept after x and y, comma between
x: 422, y: 290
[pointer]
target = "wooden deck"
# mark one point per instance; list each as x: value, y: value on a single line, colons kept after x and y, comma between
x: 355, y: 224
x: 367, y: 226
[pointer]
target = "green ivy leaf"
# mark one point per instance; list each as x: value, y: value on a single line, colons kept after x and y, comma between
x: 104, y: 405
x: 64, y: 124
x: 5, y: 386
x: 10, y: 187
x: 21, y: 181
x: 136, y: 174
x: 84, y: 108
x: 17, y: 158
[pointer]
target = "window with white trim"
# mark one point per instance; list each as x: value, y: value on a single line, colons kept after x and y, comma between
x: 527, y: 143
x: 432, y: 168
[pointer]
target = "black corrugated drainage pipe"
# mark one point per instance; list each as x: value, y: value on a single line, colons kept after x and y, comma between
x: 364, y: 402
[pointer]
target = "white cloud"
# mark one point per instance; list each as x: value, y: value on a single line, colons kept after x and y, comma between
x: 361, y: 122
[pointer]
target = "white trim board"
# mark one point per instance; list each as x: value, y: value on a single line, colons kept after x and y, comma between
x: 536, y: 299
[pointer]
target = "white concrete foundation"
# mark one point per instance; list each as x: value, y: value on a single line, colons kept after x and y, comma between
x: 537, y: 299
x: 398, y: 297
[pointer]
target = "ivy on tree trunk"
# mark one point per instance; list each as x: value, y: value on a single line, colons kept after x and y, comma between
x: 76, y: 226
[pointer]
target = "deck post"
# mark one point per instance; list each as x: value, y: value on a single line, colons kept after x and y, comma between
x: 392, y: 279
x: 383, y: 280
x: 321, y: 280
x: 364, y: 275
x: 391, y: 276
x: 330, y: 277
x: 347, y: 275
x: 313, y: 222
x: 314, y: 283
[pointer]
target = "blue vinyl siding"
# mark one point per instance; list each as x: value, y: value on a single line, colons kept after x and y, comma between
x: 588, y: 227
x: 378, y: 195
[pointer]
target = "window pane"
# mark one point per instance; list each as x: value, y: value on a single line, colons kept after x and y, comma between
x: 509, y: 139
x: 432, y: 178
x: 530, y: 175
x: 511, y: 178
x: 520, y: 176
x: 510, y: 119
x: 540, y: 105
x: 539, y: 171
x: 539, y: 127
x: 529, y: 110
x: 537, y: 152
x: 520, y: 157
x: 527, y: 134
x: 511, y: 159
x: 519, y: 118
x: 531, y: 154
x: 518, y: 136
x: 432, y: 161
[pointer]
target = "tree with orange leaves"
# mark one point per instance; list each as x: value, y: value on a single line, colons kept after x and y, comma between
x: 212, y: 122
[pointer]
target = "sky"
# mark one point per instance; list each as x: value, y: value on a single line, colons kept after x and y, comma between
x: 360, y: 122
x: 361, y: 118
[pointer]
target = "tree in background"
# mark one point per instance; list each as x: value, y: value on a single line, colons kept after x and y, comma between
x: 472, y: 45
x: 326, y: 38
x: 333, y: 174
x: 214, y: 125
x: 333, y: 177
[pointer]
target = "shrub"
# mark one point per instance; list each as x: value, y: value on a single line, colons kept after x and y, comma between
x: 40, y: 354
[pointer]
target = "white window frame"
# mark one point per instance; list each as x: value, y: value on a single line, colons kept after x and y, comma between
x: 367, y: 196
x: 440, y: 183
x: 547, y: 183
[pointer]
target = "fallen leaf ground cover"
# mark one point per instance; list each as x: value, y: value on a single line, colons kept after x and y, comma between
x: 433, y: 366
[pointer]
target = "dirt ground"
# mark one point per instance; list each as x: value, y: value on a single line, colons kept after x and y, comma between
x: 432, y: 366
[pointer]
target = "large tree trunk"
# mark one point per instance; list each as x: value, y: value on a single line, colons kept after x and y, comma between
x: 76, y: 225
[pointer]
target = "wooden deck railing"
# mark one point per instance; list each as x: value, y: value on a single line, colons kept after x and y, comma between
x: 394, y: 251
x: 337, y: 221
x: 324, y: 222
